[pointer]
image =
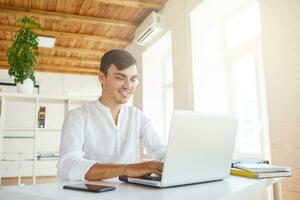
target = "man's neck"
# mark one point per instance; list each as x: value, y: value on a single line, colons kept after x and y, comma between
x: 115, y: 108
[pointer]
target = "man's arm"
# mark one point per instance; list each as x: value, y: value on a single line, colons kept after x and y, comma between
x: 101, y: 171
x: 151, y: 140
x: 71, y: 162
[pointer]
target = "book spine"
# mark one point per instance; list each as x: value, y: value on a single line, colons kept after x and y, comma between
x: 243, y: 173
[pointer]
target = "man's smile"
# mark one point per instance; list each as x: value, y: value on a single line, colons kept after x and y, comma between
x: 124, y: 93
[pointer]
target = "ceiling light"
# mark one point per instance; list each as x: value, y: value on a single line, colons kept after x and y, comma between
x: 47, y: 42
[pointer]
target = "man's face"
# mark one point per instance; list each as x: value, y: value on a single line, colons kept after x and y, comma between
x: 118, y: 86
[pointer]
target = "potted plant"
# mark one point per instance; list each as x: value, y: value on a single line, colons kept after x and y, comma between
x: 22, y: 54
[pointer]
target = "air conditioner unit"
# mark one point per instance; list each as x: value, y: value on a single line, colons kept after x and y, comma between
x: 149, y: 28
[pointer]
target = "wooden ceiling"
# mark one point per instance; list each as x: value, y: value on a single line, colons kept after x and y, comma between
x: 84, y: 29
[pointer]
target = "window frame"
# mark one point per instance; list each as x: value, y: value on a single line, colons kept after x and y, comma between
x: 250, y: 46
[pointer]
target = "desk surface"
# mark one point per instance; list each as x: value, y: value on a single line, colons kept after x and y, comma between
x: 232, y: 188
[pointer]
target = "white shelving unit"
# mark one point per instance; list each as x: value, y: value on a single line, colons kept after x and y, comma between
x: 20, y: 138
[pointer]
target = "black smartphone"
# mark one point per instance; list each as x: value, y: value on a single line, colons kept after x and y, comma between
x: 89, y: 187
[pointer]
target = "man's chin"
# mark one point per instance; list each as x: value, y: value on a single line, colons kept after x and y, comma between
x: 123, y: 100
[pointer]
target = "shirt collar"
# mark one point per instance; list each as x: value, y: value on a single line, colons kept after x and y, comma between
x: 105, y: 108
x: 102, y: 107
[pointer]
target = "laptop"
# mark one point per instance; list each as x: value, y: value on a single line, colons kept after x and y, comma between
x: 200, y: 149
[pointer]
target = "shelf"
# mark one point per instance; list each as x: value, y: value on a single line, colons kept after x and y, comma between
x: 22, y: 160
x: 20, y: 132
x: 31, y: 129
x: 18, y: 96
x: 18, y: 137
x: 47, y: 159
x: 29, y: 160
x: 18, y: 129
x: 48, y: 129
x: 47, y: 97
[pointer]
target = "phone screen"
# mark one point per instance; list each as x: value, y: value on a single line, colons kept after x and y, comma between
x: 89, y: 187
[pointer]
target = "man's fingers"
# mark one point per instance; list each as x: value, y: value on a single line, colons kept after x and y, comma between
x: 154, y: 167
x: 157, y: 172
x: 159, y: 166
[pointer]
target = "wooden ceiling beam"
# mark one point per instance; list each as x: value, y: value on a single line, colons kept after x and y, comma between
x: 78, y: 50
x: 68, y: 17
x: 149, y: 4
x: 58, y: 69
x: 69, y: 59
x: 60, y: 58
x: 94, y: 38
x: 66, y: 49
x: 64, y: 68
x: 68, y: 72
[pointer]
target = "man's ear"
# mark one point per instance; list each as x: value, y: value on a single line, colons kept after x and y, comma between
x: 101, y: 77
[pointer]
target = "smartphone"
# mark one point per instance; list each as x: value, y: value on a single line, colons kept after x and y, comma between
x: 89, y: 187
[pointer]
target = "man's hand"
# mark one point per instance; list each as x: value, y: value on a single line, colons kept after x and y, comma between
x: 144, y: 169
x: 101, y: 171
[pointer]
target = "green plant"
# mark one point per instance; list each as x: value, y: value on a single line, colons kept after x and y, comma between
x: 24, y: 50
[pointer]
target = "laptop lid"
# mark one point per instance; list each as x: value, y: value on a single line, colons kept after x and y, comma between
x: 200, y: 148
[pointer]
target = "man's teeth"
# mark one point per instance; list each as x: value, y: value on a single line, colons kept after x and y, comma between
x: 124, y: 93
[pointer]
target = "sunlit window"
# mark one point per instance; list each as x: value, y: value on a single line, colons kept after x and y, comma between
x: 226, y: 67
x: 158, y: 84
x: 243, y: 26
x: 242, y: 31
x: 208, y: 63
x: 168, y: 90
x: 246, y: 103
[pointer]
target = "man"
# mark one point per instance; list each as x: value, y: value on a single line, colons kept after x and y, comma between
x: 102, y: 139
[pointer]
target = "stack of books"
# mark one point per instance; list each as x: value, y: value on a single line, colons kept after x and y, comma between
x: 261, y: 170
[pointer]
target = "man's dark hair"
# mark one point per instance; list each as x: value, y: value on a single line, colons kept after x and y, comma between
x: 119, y: 57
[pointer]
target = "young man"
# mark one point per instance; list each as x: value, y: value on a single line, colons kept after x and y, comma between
x: 102, y: 139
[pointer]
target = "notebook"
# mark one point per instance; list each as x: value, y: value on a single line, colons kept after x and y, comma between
x: 250, y: 174
x: 261, y: 168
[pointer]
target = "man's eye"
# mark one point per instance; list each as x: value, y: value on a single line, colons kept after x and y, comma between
x: 120, y: 78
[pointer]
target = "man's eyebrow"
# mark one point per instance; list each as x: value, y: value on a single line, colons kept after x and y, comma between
x: 120, y: 74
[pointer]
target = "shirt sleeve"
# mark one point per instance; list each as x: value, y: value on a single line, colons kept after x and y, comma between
x: 71, y: 162
x: 151, y: 140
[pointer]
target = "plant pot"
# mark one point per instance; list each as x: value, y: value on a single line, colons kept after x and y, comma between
x: 26, y: 87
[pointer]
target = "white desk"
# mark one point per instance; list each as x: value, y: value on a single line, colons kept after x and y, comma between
x: 233, y: 188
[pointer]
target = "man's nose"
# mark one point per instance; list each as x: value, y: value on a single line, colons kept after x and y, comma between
x: 127, y: 84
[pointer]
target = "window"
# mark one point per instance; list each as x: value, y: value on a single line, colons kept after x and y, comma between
x: 208, y: 60
x: 228, y: 75
x: 243, y: 61
x: 168, y: 94
x: 158, y: 84
x: 242, y: 26
x: 246, y: 104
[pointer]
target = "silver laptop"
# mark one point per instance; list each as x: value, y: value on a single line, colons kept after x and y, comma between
x: 200, y: 149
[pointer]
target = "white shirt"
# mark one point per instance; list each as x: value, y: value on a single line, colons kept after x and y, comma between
x: 90, y: 135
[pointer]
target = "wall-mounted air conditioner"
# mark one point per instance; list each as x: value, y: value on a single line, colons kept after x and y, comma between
x: 149, y: 28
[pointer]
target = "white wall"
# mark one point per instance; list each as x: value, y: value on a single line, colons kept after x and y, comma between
x: 281, y: 51
x: 62, y: 84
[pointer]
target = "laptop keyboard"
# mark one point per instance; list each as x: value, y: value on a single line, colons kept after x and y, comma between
x: 153, y: 178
